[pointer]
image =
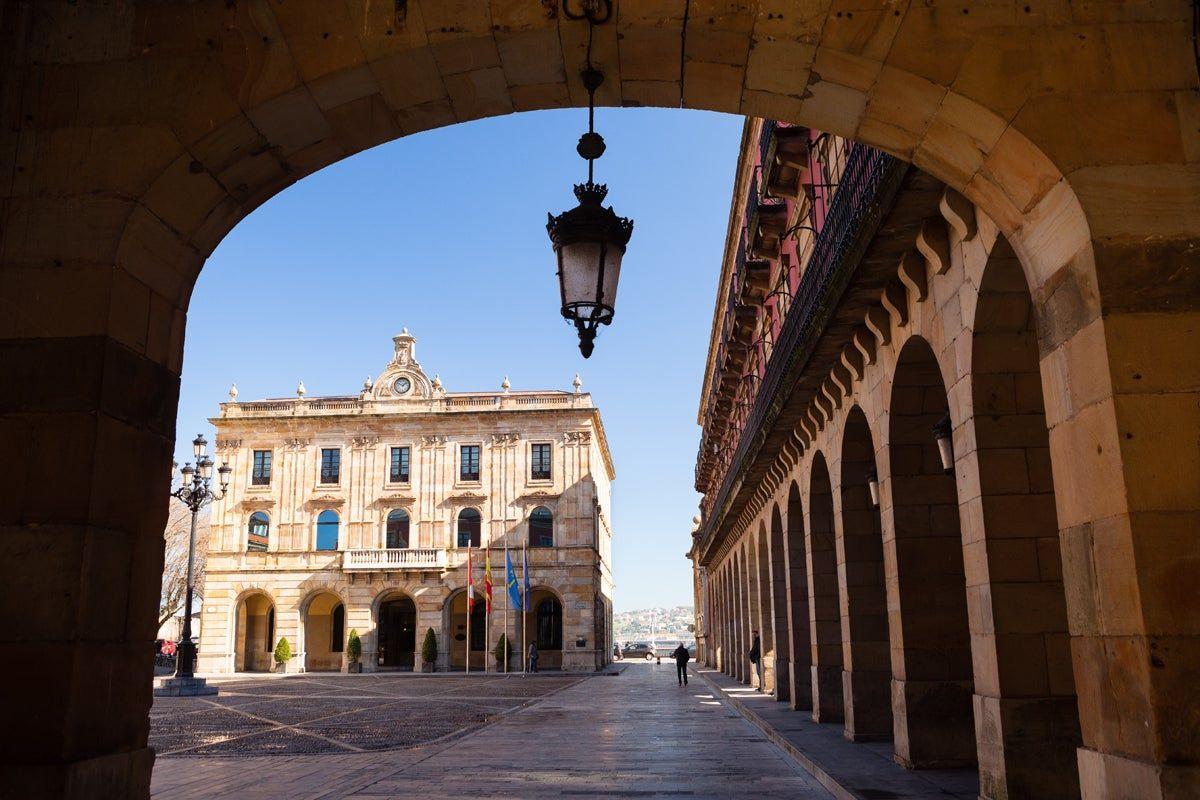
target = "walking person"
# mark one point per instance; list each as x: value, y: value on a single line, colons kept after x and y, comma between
x: 533, y: 655
x: 756, y: 657
x: 681, y: 655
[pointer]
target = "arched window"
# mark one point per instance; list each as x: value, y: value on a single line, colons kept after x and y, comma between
x: 257, y: 535
x: 541, y: 528
x: 397, y: 528
x: 469, y: 524
x: 549, y: 624
x: 337, y: 629
x: 327, y: 531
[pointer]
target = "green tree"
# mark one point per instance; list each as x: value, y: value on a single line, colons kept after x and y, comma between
x: 283, y: 651
x: 354, y: 646
x: 429, y: 647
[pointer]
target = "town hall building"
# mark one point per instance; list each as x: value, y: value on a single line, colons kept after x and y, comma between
x: 357, y: 513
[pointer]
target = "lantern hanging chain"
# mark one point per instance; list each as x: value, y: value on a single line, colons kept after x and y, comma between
x: 591, y: 87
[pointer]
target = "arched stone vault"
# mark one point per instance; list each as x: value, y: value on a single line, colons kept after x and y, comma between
x: 136, y: 135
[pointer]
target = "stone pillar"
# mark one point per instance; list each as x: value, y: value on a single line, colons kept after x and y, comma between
x: 87, y: 405
x: 777, y: 567
x: 824, y: 606
x: 753, y: 609
x: 867, y: 670
x: 799, y: 620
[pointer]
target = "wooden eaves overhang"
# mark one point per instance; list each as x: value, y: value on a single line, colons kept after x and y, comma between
x: 856, y: 271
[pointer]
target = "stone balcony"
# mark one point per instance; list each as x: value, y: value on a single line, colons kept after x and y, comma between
x: 419, y: 558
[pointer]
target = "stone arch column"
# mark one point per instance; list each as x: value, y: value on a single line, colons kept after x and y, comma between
x: 780, y: 631
x: 867, y: 669
x: 824, y: 605
x: 927, y: 600
x: 1026, y: 719
x: 766, y: 609
x: 754, y: 592
x: 795, y: 544
x: 742, y: 628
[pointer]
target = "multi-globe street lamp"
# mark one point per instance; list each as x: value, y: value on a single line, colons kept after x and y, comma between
x: 195, y: 492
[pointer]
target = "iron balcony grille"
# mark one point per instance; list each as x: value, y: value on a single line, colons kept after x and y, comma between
x: 866, y: 188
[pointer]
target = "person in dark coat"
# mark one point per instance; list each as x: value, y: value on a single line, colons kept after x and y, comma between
x: 681, y: 656
x: 756, y: 657
x: 533, y: 656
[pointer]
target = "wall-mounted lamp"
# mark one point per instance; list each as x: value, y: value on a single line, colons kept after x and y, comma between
x: 941, y: 435
x: 873, y: 486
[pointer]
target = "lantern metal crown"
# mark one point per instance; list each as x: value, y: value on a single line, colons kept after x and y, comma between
x: 589, y: 240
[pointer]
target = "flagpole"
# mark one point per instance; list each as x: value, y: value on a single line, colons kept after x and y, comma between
x: 507, y: 601
x: 470, y: 592
x: 524, y: 603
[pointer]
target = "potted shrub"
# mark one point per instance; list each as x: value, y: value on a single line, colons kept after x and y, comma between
x: 353, y: 652
x: 503, y: 649
x: 429, y: 651
x: 283, y: 651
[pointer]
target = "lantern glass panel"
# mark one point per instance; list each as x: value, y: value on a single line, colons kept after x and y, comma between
x: 580, y: 265
x: 612, y: 272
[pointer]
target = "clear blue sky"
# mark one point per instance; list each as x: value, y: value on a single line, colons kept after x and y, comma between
x: 444, y: 233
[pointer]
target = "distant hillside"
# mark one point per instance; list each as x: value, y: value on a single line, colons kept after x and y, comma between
x: 650, y: 623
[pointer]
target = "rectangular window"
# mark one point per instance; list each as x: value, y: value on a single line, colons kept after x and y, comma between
x: 399, y: 470
x: 539, y: 462
x: 261, y: 474
x: 331, y: 465
x: 468, y: 464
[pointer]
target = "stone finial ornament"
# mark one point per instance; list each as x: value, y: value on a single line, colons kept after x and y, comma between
x: 577, y: 383
x: 233, y: 392
x: 437, y: 383
x: 300, y: 390
x: 367, y: 384
x: 505, y: 385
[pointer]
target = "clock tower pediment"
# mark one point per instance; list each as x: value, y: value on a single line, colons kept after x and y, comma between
x: 403, y: 377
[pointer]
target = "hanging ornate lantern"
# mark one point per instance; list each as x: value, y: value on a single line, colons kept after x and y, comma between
x: 945, y: 445
x: 589, y: 240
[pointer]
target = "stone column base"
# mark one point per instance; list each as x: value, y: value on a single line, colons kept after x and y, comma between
x: 828, y: 705
x: 183, y: 687
x: 934, y: 724
x: 117, y: 775
x: 1103, y: 776
x: 868, y: 698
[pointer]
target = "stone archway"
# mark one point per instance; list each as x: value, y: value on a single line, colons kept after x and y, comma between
x: 395, y: 631
x: 142, y: 132
x: 254, y: 633
x: 1027, y: 722
x: 823, y: 598
x: 544, y: 627
x: 931, y: 662
x: 867, y: 672
x: 455, y: 622
x: 778, y: 566
x: 323, y: 618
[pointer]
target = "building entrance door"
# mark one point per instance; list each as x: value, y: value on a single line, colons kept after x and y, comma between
x: 397, y: 633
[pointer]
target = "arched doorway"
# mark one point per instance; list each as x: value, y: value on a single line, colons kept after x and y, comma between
x: 456, y: 622
x: 799, y: 618
x: 396, y: 632
x: 1018, y: 589
x: 254, y: 634
x: 825, y: 606
x: 867, y: 676
x: 544, y: 627
x: 324, y: 633
x: 931, y: 694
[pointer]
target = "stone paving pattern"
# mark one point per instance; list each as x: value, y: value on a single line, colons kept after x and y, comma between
x: 635, y: 734
x: 333, y: 714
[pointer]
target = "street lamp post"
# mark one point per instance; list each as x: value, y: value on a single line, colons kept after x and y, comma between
x: 195, y: 491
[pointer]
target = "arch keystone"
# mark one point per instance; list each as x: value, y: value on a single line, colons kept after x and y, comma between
x: 934, y: 243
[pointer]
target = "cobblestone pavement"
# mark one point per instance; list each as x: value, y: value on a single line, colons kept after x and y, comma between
x: 636, y: 734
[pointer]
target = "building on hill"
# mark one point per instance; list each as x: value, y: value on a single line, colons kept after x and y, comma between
x: 358, y: 512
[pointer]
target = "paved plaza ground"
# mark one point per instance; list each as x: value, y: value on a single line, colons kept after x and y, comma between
x: 382, y: 736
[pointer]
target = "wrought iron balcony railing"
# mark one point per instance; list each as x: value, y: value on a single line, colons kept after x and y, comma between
x: 850, y: 217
